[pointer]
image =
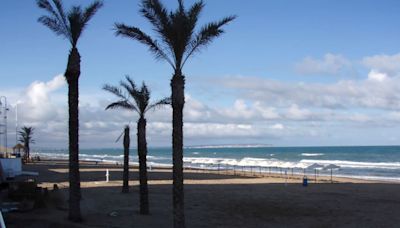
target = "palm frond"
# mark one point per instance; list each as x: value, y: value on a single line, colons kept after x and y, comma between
x: 192, y: 18
x: 136, y: 34
x: 25, y: 135
x: 61, y: 12
x: 75, y: 22
x: 124, y: 104
x: 56, y: 19
x: 78, y: 19
x: 138, y: 100
x: 156, y: 13
x: 69, y: 25
x: 54, y: 25
x: 137, y: 95
x: 131, y: 83
x: 194, y: 12
x: 45, y: 4
x: 114, y: 90
x: 157, y: 104
x: 206, y: 35
x: 90, y: 11
x: 159, y: 17
x: 129, y: 87
x: 143, y: 98
x: 181, y: 7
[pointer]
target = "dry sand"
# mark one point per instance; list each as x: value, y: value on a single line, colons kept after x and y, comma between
x: 214, y: 200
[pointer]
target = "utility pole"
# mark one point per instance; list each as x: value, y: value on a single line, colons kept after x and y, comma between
x: 5, y: 119
x: 16, y: 124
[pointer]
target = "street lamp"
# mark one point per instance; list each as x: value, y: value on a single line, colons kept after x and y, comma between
x: 16, y: 123
x: 5, y: 119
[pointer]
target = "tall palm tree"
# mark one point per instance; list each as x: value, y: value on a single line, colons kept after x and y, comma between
x: 25, y: 137
x: 125, y: 178
x: 70, y: 25
x: 137, y: 100
x: 179, y: 40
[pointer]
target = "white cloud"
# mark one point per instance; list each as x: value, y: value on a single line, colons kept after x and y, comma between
x: 388, y: 64
x: 38, y: 101
x: 371, y: 94
x: 267, y: 113
x: 296, y: 113
x: 197, y: 131
x: 259, y: 110
x: 239, y: 110
x: 331, y: 64
x: 376, y: 76
x: 278, y: 126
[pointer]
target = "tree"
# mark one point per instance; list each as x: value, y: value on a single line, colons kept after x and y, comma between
x: 179, y: 40
x: 70, y: 25
x: 137, y: 100
x: 127, y: 141
x: 25, y: 137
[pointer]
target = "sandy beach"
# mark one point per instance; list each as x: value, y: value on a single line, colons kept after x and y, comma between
x: 212, y: 200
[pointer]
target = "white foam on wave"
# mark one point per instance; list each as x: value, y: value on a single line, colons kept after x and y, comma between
x: 161, y: 161
x: 228, y: 146
x: 96, y: 157
x: 311, y: 154
x: 245, y: 162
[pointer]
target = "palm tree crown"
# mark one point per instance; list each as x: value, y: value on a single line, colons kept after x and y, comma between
x: 71, y: 24
x: 25, y: 135
x: 176, y: 29
x: 138, y: 99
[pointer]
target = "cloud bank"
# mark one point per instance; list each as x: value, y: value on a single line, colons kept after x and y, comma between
x: 257, y: 110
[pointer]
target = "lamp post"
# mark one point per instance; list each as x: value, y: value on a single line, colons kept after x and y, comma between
x: 16, y: 124
x: 5, y: 119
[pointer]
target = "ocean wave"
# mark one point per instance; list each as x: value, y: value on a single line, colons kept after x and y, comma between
x: 98, y: 157
x: 246, y: 161
x: 229, y: 146
x: 355, y: 164
x: 312, y: 154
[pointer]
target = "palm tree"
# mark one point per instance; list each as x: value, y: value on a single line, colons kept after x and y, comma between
x: 70, y: 25
x: 137, y: 100
x: 25, y: 137
x: 179, y: 40
x: 125, y: 178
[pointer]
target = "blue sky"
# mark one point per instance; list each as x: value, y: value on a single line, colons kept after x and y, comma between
x: 286, y: 73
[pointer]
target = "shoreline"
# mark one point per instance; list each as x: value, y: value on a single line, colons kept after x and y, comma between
x: 295, y: 177
x: 212, y: 199
x: 373, y: 171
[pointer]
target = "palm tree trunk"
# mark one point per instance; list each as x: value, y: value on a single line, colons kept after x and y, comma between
x: 178, y: 101
x: 72, y: 75
x: 142, y: 153
x: 27, y: 151
x: 125, y: 186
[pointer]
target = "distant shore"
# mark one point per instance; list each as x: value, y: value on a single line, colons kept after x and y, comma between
x: 213, y: 200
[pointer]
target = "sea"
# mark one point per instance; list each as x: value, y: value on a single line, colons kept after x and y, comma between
x: 363, y: 162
